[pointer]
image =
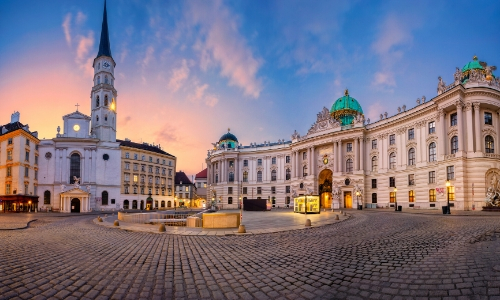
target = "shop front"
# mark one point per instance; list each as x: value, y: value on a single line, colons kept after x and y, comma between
x: 18, y: 203
x: 311, y: 203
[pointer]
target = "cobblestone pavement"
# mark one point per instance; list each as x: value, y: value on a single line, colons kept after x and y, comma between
x: 378, y: 255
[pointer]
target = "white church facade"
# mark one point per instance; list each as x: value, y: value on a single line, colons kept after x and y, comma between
x: 444, y: 149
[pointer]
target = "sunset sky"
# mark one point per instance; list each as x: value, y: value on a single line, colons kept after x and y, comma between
x: 188, y: 70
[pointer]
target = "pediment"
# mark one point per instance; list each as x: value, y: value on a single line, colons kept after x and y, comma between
x: 75, y: 192
x: 76, y: 115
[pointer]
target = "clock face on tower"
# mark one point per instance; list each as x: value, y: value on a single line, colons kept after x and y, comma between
x: 76, y: 127
x: 106, y: 65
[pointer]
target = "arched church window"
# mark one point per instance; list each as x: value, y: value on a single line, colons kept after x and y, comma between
x: 98, y: 79
x: 104, y: 200
x: 489, y: 145
x: 46, y: 197
x: 97, y: 101
x: 74, y: 168
x: 105, y: 100
x: 106, y: 79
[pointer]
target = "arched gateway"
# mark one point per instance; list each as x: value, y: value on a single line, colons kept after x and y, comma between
x: 75, y: 205
x: 325, y: 188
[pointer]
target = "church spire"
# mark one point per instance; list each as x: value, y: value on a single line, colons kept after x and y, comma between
x: 104, y: 47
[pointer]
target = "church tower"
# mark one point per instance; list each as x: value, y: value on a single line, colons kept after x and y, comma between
x: 103, y: 95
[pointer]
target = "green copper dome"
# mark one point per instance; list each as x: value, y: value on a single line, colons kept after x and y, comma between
x: 345, y: 109
x: 474, y: 64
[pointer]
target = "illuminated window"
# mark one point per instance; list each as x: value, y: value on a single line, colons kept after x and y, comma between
x: 432, y: 195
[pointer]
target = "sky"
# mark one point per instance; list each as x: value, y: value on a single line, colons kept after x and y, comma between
x: 186, y: 71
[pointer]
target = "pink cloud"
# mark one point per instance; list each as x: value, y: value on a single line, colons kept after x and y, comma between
x: 179, y: 76
x: 66, y: 28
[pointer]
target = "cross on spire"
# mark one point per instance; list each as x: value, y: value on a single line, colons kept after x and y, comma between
x: 77, y: 106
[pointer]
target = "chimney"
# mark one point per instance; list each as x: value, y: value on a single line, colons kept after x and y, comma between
x: 15, y: 117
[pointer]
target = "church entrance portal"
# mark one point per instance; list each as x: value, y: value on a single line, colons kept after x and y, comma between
x: 325, y: 188
x: 347, y: 200
x: 75, y: 205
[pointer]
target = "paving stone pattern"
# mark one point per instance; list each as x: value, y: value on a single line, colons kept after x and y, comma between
x: 373, y: 255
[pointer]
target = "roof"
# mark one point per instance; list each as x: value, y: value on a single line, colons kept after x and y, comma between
x: 345, y: 108
x: 202, y: 174
x: 104, y: 46
x: 474, y: 64
x: 10, y: 127
x: 144, y: 146
x: 228, y: 136
x: 182, y: 177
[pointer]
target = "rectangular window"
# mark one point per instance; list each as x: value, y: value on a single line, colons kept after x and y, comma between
x: 7, y: 189
x: 432, y: 195
x: 136, y: 167
x: 163, y: 171
x: 411, y: 133
x: 36, y: 174
x: 273, y: 190
x: 304, y: 155
x: 26, y: 189
x: 231, y: 163
x: 287, y: 159
x: 230, y: 190
x: 157, y: 170
x: 259, y: 162
x: 187, y: 189
x: 136, y: 178
x: 164, y: 162
x: 287, y: 189
x: 9, y: 171
x: 127, y: 155
x: 27, y: 156
x: 453, y: 119
x: 392, y: 139
x: 245, y: 189
x: 374, y: 144
x: 143, y: 168
x: 245, y: 163
x: 126, y: 190
x: 26, y: 171
x: 27, y: 142
x: 432, y: 177
x: 411, y: 196
x: 135, y: 156
x: 143, y: 158
x: 150, y: 159
x: 374, y: 183
x: 374, y: 197
x: 273, y: 160
x: 451, y: 193
x: 259, y: 190
x: 349, y: 147
x: 488, y: 118
x: 35, y: 190
x: 229, y: 200
x: 127, y: 166
x: 392, y: 181
x: 392, y: 197
x: 36, y: 159
x: 127, y: 177
x: 411, y: 179
x: 150, y: 169
x: 432, y: 127
x: 450, y: 172
x: 169, y: 172
x: 9, y: 141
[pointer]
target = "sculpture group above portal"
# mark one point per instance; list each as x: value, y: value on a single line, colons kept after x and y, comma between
x: 324, y: 121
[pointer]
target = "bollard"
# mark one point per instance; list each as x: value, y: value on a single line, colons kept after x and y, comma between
x: 337, y: 217
x: 308, y: 223
x: 99, y: 219
x: 105, y: 215
x: 116, y: 223
x: 162, y: 228
x: 242, y: 229
x: 345, y: 214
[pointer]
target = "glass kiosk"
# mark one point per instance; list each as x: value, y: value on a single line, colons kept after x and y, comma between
x: 312, y: 203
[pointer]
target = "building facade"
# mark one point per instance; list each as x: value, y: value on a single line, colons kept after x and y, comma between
x: 438, y: 151
x: 200, y: 181
x: 19, y: 167
x: 147, y: 176
x: 185, y: 191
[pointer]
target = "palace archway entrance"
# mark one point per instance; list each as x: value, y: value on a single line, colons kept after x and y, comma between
x: 347, y: 200
x: 75, y: 205
x: 325, y: 188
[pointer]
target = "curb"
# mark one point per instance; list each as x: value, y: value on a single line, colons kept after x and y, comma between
x: 25, y: 227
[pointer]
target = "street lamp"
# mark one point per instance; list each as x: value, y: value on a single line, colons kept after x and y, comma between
x: 448, y: 184
x: 395, y: 199
x: 175, y: 203
x: 29, y: 207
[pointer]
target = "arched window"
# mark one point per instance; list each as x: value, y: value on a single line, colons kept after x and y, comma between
x: 273, y: 175
x: 74, y: 167
x: 392, y: 160
x: 411, y: 196
x: 489, y: 145
x: 432, y: 151
x: 134, y: 204
x: 98, y: 79
x: 105, y: 117
x: 259, y: 176
x: 454, y: 144
x: 106, y: 79
x: 126, y: 204
x: 162, y: 204
x: 288, y: 174
x: 231, y: 177
x: 432, y: 195
x: 97, y: 101
x: 97, y: 119
x: 348, y: 165
x: 46, y: 197
x: 411, y: 157
x: 304, y: 171
x: 104, y: 200
x: 374, y: 164
x: 169, y: 203
x: 245, y: 176
x: 105, y: 100
x: 374, y: 197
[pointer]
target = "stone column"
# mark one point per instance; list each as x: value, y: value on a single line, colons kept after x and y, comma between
x: 237, y: 170
x: 64, y: 170
x: 356, y: 156
x: 418, y: 154
x: 83, y: 176
x: 470, y: 131
x: 477, y: 128
x: 340, y: 159
x: 362, y: 154
x: 297, y: 164
x: 335, y: 160
x: 498, y: 131
x: 423, y: 140
x: 460, y: 126
x: 441, y: 132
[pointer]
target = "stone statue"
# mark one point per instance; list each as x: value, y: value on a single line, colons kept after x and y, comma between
x: 88, y: 188
x: 423, y: 99
x: 441, y: 86
x: 58, y: 129
x: 381, y: 116
x: 493, y: 193
x: 62, y: 188
x: 404, y: 107
x: 385, y: 115
x: 368, y: 121
x: 77, y: 181
x: 457, y: 75
x: 399, y: 109
x: 295, y: 135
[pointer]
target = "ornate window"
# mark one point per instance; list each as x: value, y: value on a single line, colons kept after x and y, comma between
x: 489, y: 145
x: 231, y: 177
x: 392, y: 139
x: 432, y: 177
x: 432, y: 151
x: 287, y: 159
x: 273, y: 175
x: 230, y: 190
x: 134, y: 204
x: 216, y: 178
x: 392, y: 181
x: 273, y: 160
x: 432, y: 195
x: 104, y: 200
x: 411, y: 134
x: 411, y: 196
x: 245, y: 163
x: 374, y: 164
x: 392, y: 160
x: 126, y: 204
x: 348, y: 165
x: 432, y: 127
x: 374, y: 183
x: 349, y: 147
x: 46, y: 197
x: 245, y: 176
x: 450, y: 172
x: 454, y: 144
x: 488, y: 119
x: 411, y: 157
x: 288, y: 174
x: 374, y: 144
x: 74, y: 169
x: 259, y: 176
x: 259, y: 162
x: 453, y: 119
x: 304, y: 171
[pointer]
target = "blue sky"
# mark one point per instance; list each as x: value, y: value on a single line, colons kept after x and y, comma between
x: 188, y: 70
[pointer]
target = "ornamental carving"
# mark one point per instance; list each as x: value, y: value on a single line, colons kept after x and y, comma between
x: 288, y: 166
x: 259, y: 168
x: 489, y: 131
x: 468, y: 106
x: 452, y: 131
x: 273, y: 168
x: 492, y: 180
x: 245, y: 169
x: 411, y: 145
x: 374, y: 152
x: 392, y: 149
x: 324, y: 121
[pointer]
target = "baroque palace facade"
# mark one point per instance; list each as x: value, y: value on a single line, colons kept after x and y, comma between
x: 442, y: 149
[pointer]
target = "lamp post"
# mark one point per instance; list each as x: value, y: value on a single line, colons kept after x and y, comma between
x: 395, y: 199
x: 29, y: 207
x: 175, y: 203
x: 448, y: 184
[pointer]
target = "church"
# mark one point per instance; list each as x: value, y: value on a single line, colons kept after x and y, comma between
x: 439, y: 153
